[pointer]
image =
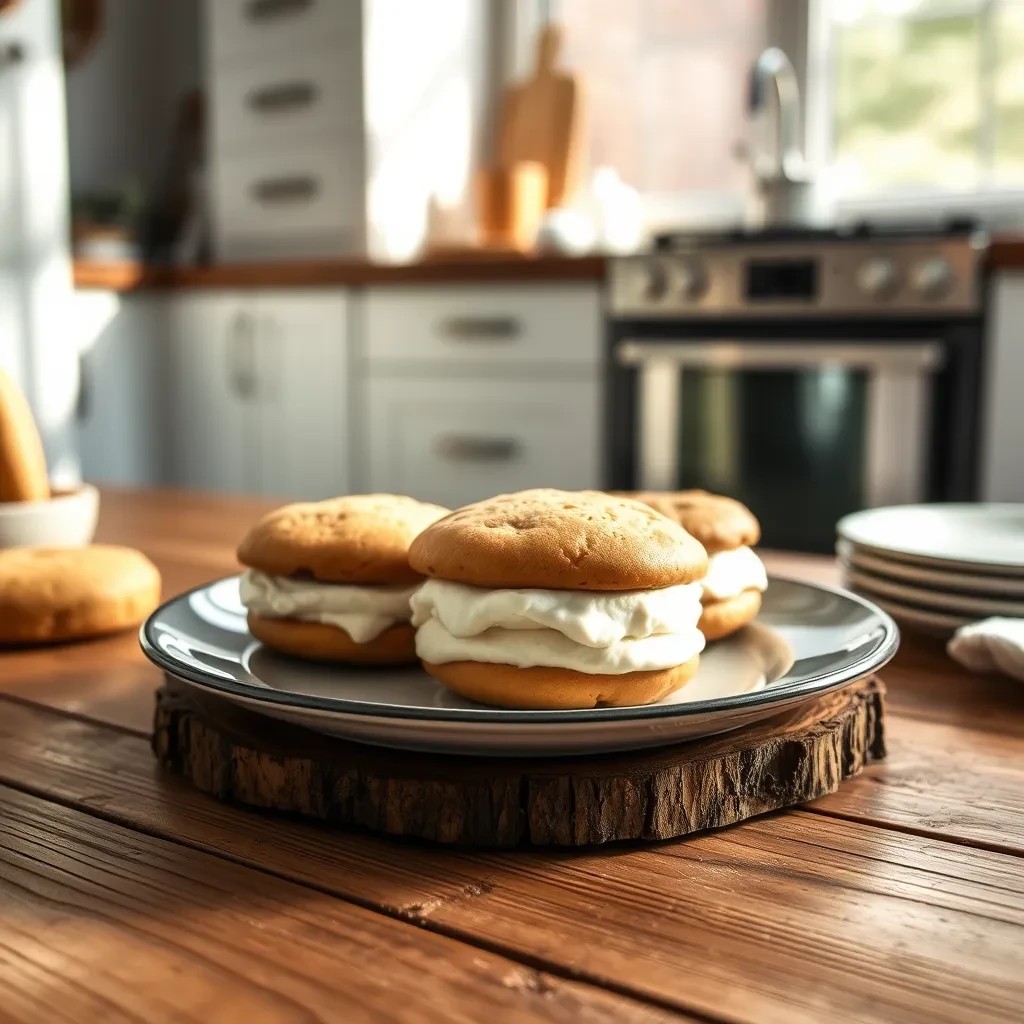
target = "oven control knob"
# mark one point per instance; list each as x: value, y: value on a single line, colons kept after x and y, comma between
x: 688, y: 279
x: 932, y: 278
x: 645, y: 281
x: 878, y: 277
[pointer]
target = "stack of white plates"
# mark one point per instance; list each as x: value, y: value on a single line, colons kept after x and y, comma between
x: 937, y: 567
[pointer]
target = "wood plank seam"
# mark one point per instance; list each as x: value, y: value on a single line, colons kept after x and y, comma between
x: 910, y: 830
x: 74, y: 716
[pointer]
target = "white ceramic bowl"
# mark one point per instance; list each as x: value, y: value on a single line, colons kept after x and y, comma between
x: 67, y: 520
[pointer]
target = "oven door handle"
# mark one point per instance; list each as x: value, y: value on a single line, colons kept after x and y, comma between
x: 884, y: 356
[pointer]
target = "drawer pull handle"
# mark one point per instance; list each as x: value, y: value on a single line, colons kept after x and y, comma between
x: 261, y: 10
x: 83, y: 407
x: 274, y: 99
x: 480, y: 328
x: 463, y: 448
x: 285, y: 190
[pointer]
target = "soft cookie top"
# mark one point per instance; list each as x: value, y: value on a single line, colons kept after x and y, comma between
x: 52, y: 593
x: 718, y: 522
x: 361, y: 538
x: 559, y: 540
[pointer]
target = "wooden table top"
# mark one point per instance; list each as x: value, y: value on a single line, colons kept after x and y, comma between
x: 127, y: 896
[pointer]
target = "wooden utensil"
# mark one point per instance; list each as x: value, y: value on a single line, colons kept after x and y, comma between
x: 541, y: 119
x: 511, y: 203
x: 23, y: 475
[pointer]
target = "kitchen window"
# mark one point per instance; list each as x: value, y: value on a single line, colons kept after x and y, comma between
x: 912, y: 105
x: 921, y: 95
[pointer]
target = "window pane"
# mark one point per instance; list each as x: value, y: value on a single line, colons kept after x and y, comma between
x: 907, y: 100
x: 666, y: 83
x: 1009, y: 94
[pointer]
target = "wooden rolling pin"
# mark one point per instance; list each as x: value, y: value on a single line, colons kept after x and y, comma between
x: 23, y: 475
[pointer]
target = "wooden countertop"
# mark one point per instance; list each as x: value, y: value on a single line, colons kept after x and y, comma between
x: 130, y: 276
x: 1006, y: 253
x: 127, y: 894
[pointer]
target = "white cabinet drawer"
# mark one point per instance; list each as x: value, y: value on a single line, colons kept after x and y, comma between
x: 296, y: 98
x: 239, y: 28
x: 302, y: 202
x: 459, y: 441
x: 499, y: 324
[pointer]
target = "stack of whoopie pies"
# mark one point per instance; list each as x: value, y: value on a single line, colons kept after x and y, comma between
x: 539, y: 599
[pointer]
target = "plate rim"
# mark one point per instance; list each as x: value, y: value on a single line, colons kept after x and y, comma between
x: 958, y: 581
x: 870, y: 584
x: 821, y: 682
x: 909, y: 613
x: 997, y: 568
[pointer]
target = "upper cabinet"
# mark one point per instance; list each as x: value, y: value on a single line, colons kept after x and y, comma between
x: 317, y: 147
x: 258, y: 392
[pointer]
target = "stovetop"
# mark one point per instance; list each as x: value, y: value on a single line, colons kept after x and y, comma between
x: 862, y: 269
x: 956, y: 227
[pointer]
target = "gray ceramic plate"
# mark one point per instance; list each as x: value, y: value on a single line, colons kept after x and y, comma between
x: 980, y: 538
x: 807, y: 640
x: 945, y: 581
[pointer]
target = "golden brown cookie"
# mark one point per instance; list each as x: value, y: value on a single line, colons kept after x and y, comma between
x: 318, y: 642
x: 721, y: 618
x: 718, y: 522
x: 23, y: 474
x: 557, y: 689
x: 559, y: 540
x: 52, y: 594
x: 361, y: 538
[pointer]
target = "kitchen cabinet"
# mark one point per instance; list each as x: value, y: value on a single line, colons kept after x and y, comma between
x: 306, y: 411
x: 258, y: 392
x: 212, y: 442
x: 1002, y: 471
x: 491, y: 326
x: 122, y: 408
x: 472, y: 392
x: 457, y: 441
x: 316, y: 146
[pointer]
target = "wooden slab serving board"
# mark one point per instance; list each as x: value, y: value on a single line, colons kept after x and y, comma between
x: 246, y: 758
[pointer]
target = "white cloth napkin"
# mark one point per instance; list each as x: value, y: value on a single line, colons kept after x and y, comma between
x: 990, y: 645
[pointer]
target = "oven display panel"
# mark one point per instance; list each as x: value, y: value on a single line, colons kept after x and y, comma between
x: 793, y: 280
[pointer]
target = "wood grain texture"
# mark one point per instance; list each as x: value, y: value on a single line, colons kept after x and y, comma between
x: 100, y: 922
x: 790, y: 918
x: 857, y: 910
x: 245, y: 758
x: 465, y: 269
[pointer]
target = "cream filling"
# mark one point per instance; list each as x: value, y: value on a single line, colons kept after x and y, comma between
x: 590, y: 618
x: 363, y: 612
x: 599, y: 633
x: 731, y: 572
x: 526, y: 648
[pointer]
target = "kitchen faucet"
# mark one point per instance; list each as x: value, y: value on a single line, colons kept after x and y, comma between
x: 782, y: 186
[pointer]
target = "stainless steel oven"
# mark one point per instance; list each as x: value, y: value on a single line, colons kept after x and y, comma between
x: 808, y: 377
